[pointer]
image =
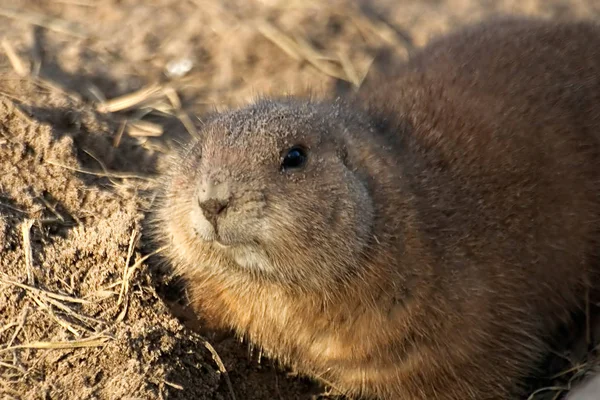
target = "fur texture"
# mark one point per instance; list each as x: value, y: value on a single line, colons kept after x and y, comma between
x: 445, y: 222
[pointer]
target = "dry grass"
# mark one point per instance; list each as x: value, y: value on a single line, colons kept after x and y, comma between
x: 57, y: 308
x: 221, y: 367
x: 89, y: 331
x: 46, y: 21
x: 160, y: 100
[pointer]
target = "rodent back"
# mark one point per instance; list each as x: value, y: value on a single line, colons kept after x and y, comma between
x: 502, y: 150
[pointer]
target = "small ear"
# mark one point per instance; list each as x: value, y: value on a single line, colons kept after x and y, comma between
x: 342, y: 88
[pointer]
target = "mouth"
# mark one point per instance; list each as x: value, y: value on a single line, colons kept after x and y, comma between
x: 225, y: 241
x: 220, y: 245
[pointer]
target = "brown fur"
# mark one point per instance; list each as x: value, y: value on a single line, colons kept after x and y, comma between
x: 445, y: 224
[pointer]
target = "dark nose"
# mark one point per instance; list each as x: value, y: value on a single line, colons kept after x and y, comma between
x: 212, y: 208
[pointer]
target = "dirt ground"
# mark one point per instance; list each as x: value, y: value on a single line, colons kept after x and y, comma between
x: 93, y: 95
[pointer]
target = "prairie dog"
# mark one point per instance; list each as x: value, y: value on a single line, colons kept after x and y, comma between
x: 420, y: 240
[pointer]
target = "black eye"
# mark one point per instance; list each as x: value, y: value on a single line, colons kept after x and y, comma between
x: 294, y: 158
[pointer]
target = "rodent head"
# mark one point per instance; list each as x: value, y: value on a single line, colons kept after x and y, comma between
x: 274, y: 191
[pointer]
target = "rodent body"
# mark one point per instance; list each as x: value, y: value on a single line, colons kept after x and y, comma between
x: 421, y: 240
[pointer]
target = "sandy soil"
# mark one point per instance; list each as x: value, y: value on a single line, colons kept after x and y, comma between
x: 85, y: 310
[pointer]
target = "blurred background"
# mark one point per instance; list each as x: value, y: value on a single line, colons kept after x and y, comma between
x: 224, y: 52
